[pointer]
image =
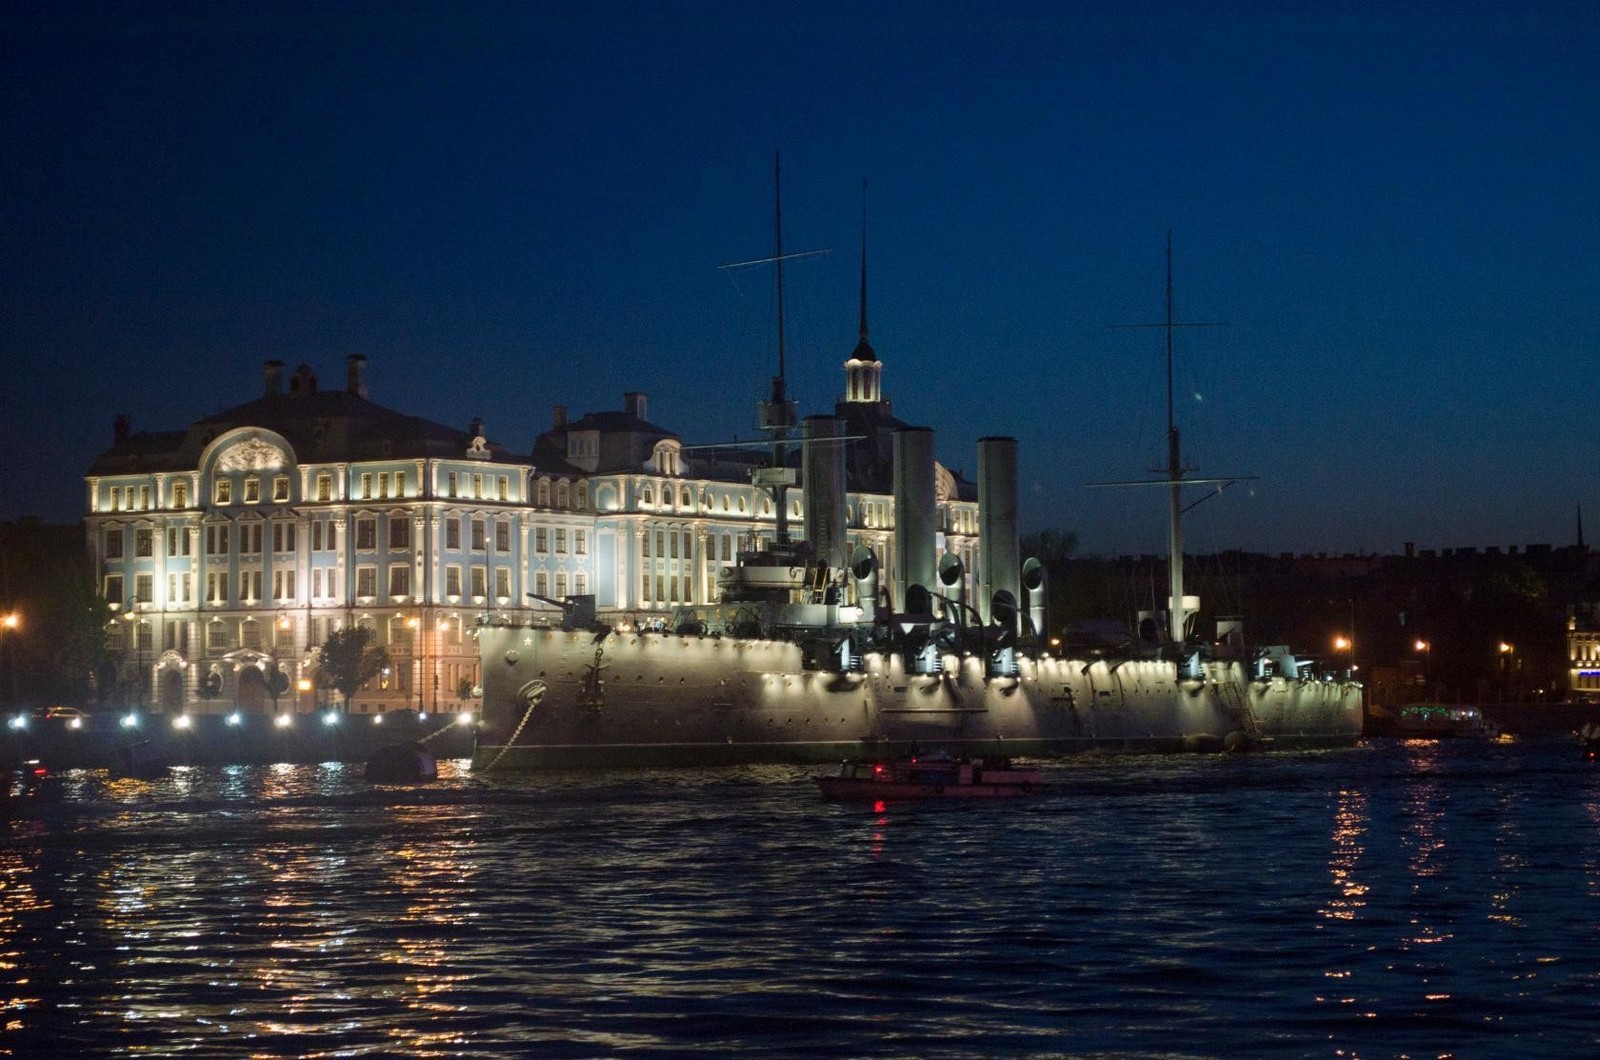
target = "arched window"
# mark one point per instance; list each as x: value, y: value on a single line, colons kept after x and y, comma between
x: 542, y: 493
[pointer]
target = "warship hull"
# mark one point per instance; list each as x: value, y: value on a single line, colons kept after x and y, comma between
x: 562, y: 699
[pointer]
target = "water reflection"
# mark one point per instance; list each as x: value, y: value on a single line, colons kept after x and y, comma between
x: 1351, y: 818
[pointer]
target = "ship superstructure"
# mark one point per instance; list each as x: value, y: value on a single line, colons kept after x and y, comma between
x: 815, y: 649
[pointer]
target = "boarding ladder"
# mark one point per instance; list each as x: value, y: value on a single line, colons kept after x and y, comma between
x: 1234, y: 701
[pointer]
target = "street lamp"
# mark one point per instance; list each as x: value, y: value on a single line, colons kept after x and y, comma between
x: 131, y: 616
x: 1506, y: 666
x: 415, y: 625
x: 1424, y: 649
x: 9, y: 624
x: 1347, y: 644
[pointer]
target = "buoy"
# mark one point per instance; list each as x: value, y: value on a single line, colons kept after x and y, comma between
x: 400, y: 763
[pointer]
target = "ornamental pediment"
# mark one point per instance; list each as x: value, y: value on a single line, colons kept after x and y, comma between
x: 252, y: 454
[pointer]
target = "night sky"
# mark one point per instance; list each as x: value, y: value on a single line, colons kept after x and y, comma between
x: 507, y: 207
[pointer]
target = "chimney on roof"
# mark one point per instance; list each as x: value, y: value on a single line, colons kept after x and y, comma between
x: 634, y: 403
x: 272, y: 371
x: 558, y: 417
x: 356, y: 374
x: 121, y: 428
x: 475, y: 428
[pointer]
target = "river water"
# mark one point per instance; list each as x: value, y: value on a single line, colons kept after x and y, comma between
x: 1396, y: 899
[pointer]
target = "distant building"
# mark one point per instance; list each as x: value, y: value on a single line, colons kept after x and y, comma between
x: 1583, y: 648
x: 230, y: 550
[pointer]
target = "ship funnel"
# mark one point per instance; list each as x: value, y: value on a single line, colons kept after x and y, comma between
x: 916, y: 531
x: 998, y: 570
x: 822, y: 479
x: 864, y: 569
x: 1033, y: 583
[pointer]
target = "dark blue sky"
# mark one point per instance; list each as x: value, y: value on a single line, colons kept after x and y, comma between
x: 508, y: 207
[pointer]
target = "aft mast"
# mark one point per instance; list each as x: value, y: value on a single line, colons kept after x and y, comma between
x: 1174, y: 481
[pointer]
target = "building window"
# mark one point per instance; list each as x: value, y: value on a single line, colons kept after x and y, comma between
x: 250, y: 634
x: 727, y: 548
x: 502, y: 583
x: 541, y: 583
x: 216, y: 587
x: 316, y: 583
x: 580, y: 583
x: 580, y: 542
x: 113, y: 594
x: 224, y: 491
x: 366, y: 487
x: 541, y: 542
x: 644, y: 545
x: 399, y: 532
x: 542, y: 491
x: 324, y: 487
x: 180, y: 495
x: 367, y: 532
x: 283, y: 536
x: 399, y: 483
x: 144, y: 542
x: 502, y: 536
x: 283, y: 586
x: 480, y: 542
x: 452, y: 581
x: 144, y: 498
x: 504, y: 489
x: 688, y: 544
x: 450, y: 485
x: 400, y: 579
x: 562, y: 494
x: 252, y: 490
x: 280, y: 488
x: 116, y: 497
x: 249, y: 586
x: 114, y: 543
x: 216, y: 635
x: 383, y: 484
x: 583, y: 496
x: 452, y: 532
x: 250, y: 539
x: 367, y: 582
x: 480, y: 582
x: 561, y: 584
x: 561, y: 541
x: 672, y: 544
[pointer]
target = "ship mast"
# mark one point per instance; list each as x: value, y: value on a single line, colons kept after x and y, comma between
x: 1174, y: 480
x: 778, y: 413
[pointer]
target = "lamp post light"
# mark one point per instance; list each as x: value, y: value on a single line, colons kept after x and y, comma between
x: 416, y: 658
x: 1507, y: 665
x: 1348, y: 645
x: 1425, y: 649
x: 131, y: 616
x: 9, y: 624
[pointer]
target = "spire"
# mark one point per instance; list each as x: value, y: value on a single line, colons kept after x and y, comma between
x: 864, y: 348
x: 863, y: 373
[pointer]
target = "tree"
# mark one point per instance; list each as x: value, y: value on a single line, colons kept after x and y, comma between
x: 349, y: 660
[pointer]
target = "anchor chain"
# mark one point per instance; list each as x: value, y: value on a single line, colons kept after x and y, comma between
x: 533, y: 692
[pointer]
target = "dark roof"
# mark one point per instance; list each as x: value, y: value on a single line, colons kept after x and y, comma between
x: 322, y: 426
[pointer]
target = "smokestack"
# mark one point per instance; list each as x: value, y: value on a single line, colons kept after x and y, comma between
x: 822, y: 479
x: 558, y: 417
x: 634, y: 404
x: 915, y: 511
x: 355, y: 374
x: 997, y: 522
x: 272, y: 371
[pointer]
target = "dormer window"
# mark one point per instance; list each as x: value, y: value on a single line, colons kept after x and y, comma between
x: 667, y: 458
x: 280, y: 489
x: 252, y: 490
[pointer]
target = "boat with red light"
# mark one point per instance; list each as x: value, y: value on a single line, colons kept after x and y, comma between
x: 928, y: 777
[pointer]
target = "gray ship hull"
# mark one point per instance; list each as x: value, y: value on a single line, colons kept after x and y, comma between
x: 669, y: 700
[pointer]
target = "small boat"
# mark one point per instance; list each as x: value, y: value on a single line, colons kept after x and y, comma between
x: 928, y: 777
x: 1434, y: 720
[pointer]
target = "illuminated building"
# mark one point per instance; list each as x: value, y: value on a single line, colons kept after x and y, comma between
x: 231, y: 549
x: 1583, y: 648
